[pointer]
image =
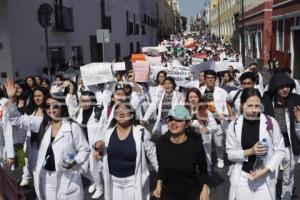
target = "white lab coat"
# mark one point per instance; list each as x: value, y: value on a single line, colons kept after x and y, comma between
x: 157, y: 104
x: 70, y: 134
x: 72, y: 104
x: 212, y: 127
x: 273, y: 158
x: 6, y: 135
x: 93, y: 129
x: 145, y: 149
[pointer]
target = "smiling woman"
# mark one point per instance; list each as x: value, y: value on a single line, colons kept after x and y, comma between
x: 182, y: 170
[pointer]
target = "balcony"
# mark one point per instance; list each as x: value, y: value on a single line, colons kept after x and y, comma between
x: 63, y: 19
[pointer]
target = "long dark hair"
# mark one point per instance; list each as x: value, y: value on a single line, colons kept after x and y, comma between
x: 24, y: 96
x: 132, y: 112
x: 157, y: 76
x: 97, y: 109
x: 192, y: 90
x: 31, y: 106
x: 47, y: 120
x: 247, y: 93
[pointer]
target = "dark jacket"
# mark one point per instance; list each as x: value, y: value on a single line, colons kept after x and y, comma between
x: 277, y: 81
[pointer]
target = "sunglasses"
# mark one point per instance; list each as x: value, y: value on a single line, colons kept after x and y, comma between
x: 170, y: 119
x: 54, y: 106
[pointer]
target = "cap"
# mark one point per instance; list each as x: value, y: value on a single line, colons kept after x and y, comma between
x: 179, y: 112
x: 119, y: 87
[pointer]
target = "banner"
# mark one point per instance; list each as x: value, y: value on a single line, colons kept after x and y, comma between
x: 179, y: 73
x: 153, y: 60
x: 196, y: 69
x: 137, y: 57
x: 224, y: 65
x: 141, y: 71
x: 95, y: 73
x: 118, y: 66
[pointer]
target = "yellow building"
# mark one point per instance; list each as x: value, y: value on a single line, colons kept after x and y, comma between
x: 228, y: 10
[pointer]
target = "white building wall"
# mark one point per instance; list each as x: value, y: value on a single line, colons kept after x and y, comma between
x: 23, y: 38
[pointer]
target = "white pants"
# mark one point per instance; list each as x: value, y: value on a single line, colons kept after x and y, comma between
x: 123, y: 188
x: 288, y: 164
x: 48, y: 185
x: 95, y: 177
x: 218, y: 137
x: 252, y: 190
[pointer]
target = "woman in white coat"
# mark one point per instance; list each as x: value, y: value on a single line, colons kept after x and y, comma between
x: 127, y: 151
x: 62, y: 149
x: 7, y: 154
x: 203, y: 121
x: 165, y: 101
x: 88, y: 117
x: 244, y: 147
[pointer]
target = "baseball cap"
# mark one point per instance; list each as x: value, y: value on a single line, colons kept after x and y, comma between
x: 179, y: 112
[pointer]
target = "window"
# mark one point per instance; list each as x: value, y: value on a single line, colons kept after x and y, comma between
x: 143, y: 30
x: 297, y: 21
x: 63, y: 18
x: 138, y: 47
x: 77, y: 55
x: 118, y: 50
x: 137, y: 29
x: 57, y: 57
x: 280, y: 36
x: 131, y: 48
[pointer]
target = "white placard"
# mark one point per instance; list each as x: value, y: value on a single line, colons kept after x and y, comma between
x: 179, y: 73
x: 95, y: 73
x: 118, y: 66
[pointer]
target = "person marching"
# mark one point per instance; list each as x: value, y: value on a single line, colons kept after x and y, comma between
x: 182, y: 172
x: 284, y: 105
x: 62, y: 148
x: 251, y: 139
x: 127, y: 151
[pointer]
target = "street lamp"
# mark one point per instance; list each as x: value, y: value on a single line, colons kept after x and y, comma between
x: 243, y: 34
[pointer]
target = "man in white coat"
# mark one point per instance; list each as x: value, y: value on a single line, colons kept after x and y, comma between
x: 216, y: 99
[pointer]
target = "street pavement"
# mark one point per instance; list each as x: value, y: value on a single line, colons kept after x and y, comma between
x: 219, y: 183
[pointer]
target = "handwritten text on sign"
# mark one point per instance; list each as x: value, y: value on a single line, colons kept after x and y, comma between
x: 141, y: 71
x: 179, y: 73
x: 95, y: 73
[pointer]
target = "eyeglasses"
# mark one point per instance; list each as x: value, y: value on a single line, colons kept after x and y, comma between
x: 54, y: 106
x: 122, y: 111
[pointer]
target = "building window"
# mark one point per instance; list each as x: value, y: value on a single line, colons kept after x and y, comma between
x: 131, y: 48
x: 143, y: 30
x: 137, y: 29
x: 77, y: 55
x: 138, y: 47
x: 118, y: 50
x: 280, y: 36
x: 57, y: 57
x: 63, y: 18
x: 297, y: 21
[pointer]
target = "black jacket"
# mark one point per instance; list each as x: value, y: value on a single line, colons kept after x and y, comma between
x: 277, y: 81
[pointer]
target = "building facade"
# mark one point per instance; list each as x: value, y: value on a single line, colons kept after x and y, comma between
x: 72, y: 35
x: 166, y: 20
x: 258, y: 26
x: 286, y: 34
x: 224, y: 16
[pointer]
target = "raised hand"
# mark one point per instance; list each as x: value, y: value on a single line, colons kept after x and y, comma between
x: 297, y: 113
x: 10, y: 88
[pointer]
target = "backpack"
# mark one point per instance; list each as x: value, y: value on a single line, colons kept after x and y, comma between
x: 269, y: 125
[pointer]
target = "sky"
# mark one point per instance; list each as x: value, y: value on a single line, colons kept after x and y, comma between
x: 191, y: 8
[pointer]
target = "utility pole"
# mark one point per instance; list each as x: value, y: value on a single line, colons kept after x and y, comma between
x: 219, y: 20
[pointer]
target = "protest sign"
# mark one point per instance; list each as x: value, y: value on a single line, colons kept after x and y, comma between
x: 179, y: 73
x: 137, y: 57
x: 153, y: 60
x: 95, y: 73
x: 196, y: 69
x: 224, y: 65
x: 141, y: 71
x: 118, y: 66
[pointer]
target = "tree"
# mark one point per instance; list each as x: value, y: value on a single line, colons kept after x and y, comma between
x: 184, y: 22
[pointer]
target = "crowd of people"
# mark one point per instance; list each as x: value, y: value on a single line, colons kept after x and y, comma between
x: 115, y: 134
